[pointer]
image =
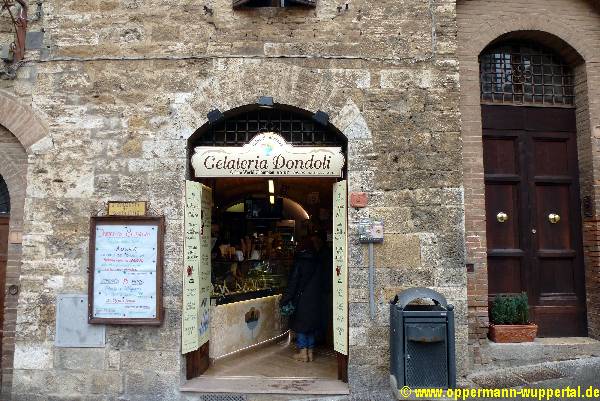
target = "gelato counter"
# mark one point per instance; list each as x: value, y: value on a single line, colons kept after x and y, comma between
x: 239, y: 325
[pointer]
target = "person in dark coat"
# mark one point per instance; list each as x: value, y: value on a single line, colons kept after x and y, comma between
x: 304, y: 291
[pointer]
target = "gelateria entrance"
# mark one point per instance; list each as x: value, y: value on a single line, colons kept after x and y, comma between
x: 265, y: 255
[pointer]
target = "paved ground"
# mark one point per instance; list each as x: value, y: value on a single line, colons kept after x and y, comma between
x: 584, y: 372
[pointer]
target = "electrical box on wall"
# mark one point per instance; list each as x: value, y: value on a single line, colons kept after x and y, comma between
x: 6, y: 53
x: 370, y: 231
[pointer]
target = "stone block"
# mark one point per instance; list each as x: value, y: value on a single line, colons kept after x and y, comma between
x: 113, y: 359
x: 160, y: 385
x: 357, y: 336
x: 29, y: 381
x: 79, y: 358
x: 33, y: 356
x: 367, y: 378
x: 68, y: 382
x: 106, y: 382
x: 159, y: 361
x: 397, y: 250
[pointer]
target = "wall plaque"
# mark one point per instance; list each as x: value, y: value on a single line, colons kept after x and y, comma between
x: 72, y: 328
x: 126, y: 269
x: 268, y: 154
x: 127, y: 208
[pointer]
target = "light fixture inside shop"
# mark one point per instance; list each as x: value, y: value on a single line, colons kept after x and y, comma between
x: 272, y: 199
x: 271, y: 187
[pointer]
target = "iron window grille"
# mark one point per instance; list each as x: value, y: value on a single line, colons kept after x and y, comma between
x: 295, y: 128
x: 4, y: 197
x: 525, y: 73
x: 273, y: 3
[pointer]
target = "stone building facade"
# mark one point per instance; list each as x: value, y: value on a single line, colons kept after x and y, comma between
x: 104, y: 108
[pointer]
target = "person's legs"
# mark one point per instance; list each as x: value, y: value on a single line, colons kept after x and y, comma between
x: 302, y: 341
x: 310, y: 339
x: 310, y: 344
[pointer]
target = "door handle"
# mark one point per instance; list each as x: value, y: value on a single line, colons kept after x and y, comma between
x: 554, y: 218
x: 501, y: 217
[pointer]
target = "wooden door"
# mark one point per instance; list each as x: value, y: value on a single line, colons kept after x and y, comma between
x: 531, y: 176
x: 4, y: 220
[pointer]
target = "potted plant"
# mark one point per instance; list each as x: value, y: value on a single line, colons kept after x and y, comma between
x: 510, y: 320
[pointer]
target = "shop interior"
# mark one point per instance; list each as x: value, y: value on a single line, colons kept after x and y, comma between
x: 258, y: 225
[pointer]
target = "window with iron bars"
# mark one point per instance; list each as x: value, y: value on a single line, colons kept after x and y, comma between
x: 294, y: 127
x: 273, y: 3
x: 525, y: 73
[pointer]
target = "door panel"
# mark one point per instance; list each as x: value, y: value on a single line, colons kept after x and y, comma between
x: 553, y: 199
x: 500, y: 155
x: 503, y: 187
x: 557, y: 280
x: 550, y: 158
x: 502, y: 198
x: 504, y: 275
x: 531, y: 169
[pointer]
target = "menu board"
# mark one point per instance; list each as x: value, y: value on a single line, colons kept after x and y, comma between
x: 197, y: 285
x: 204, y: 271
x: 191, y: 246
x: 340, y: 268
x: 125, y: 281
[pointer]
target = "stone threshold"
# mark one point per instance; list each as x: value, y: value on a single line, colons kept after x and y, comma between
x: 502, y: 355
x: 265, y: 385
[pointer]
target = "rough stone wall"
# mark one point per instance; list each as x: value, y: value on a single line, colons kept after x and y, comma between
x: 479, y: 23
x: 13, y: 168
x: 6, y: 28
x: 123, y: 84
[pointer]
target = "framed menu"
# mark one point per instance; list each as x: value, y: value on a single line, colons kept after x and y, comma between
x: 126, y: 270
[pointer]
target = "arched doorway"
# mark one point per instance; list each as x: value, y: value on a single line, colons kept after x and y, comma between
x: 531, y: 172
x: 259, y: 215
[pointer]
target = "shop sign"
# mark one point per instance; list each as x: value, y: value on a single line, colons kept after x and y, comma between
x: 268, y: 154
x: 340, y: 268
x: 125, y: 275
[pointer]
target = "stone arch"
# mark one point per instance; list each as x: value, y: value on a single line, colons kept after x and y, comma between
x: 233, y: 84
x: 13, y: 169
x: 301, y: 88
x: 551, y: 31
x: 21, y: 120
x: 479, y: 26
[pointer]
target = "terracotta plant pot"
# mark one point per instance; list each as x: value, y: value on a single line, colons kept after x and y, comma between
x: 513, y: 333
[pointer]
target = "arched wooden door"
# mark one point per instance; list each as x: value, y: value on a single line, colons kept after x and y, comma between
x: 533, y: 217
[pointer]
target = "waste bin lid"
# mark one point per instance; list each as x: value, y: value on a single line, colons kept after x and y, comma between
x: 409, y: 295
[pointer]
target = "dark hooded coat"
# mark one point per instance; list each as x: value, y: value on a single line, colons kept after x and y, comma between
x: 304, y: 291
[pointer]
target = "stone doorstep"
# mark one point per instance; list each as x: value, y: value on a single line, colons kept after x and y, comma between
x: 541, y: 350
x: 265, y: 385
x: 535, y: 374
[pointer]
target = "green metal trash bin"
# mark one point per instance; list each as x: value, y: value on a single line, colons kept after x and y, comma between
x: 422, y: 348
